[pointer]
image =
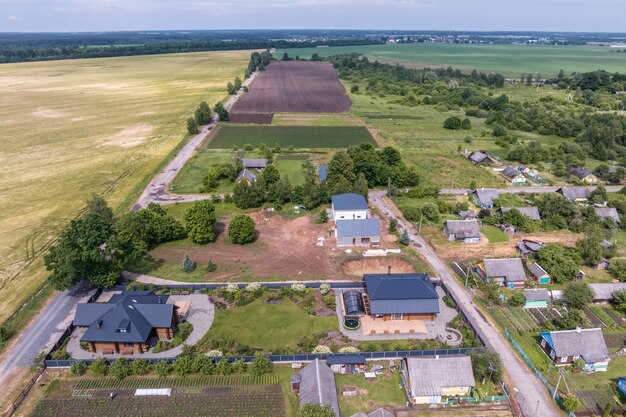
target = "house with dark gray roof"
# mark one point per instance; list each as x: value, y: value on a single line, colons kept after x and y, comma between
x: 481, y: 158
x: 400, y: 296
x: 349, y: 206
x: 530, y: 212
x: 575, y: 193
x: 565, y: 346
x: 359, y: 232
x: 127, y: 323
x: 428, y: 379
x: 246, y: 175
x: 467, y: 231
x: 468, y: 215
x: 540, y: 276
x: 254, y: 163
x: 584, y: 175
x: 513, y: 176
x: 607, y: 213
x: 507, y: 272
x: 316, y: 385
x: 485, y: 197
x: 603, y: 293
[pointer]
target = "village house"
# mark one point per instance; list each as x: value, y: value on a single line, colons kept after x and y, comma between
x: 482, y: 158
x: 127, y: 323
x: 315, y: 384
x: 467, y: 231
x: 565, y: 346
x: 427, y: 380
x: 607, y: 213
x: 584, y: 175
x: 540, y: 276
x: 246, y: 175
x: 349, y: 207
x: 468, y: 215
x: 359, y: 232
x: 513, y: 176
x: 529, y: 247
x: 258, y: 164
x: 485, y: 197
x: 536, y: 298
x: 578, y: 194
x: 530, y: 212
x: 507, y: 272
x: 603, y: 293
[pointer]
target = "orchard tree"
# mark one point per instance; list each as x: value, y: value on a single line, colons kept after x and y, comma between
x: 590, y: 250
x: 487, y: 365
x: 578, y: 295
x: 619, y: 301
x: 199, y: 222
x: 241, y: 229
x: 558, y: 262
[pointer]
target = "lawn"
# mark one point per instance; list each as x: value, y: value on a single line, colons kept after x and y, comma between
x: 268, y: 326
x: 72, y: 128
x: 297, y: 136
x: 494, y: 234
x: 189, y: 179
x: 291, y: 168
x: 384, y: 391
x: 505, y: 58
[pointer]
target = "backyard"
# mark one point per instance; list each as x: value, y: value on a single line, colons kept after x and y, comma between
x: 382, y: 391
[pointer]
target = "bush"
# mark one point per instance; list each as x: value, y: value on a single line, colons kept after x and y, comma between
x: 324, y: 289
x: 188, y: 264
x: 393, y: 225
x: 517, y: 299
x: 241, y: 229
x: 99, y: 367
x: 120, y: 368
x: 139, y: 367
x: 261, y: 365
x: 578, y: 295
x: 571, y: 403
x: 162, y: 368
x: 323, y: 216
x: 78, y: 368
x: 211, y: 267
x: 452, y: 123
x: 405, y: 239
x: 316, y: 410
x: 321, y: 349
x: 349, y: 349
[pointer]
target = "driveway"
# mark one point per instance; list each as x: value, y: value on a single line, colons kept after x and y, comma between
x: 533, y: 396
x: 201, y: 314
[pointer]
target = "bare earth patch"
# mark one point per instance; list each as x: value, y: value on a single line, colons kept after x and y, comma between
x: 360, y: 266
x: 48, y: 113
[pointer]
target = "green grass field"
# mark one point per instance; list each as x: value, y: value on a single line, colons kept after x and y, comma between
x: 296, y: 136
x: 291, y: 168
x: 72, y: 128
x: 507, y: 59
x: 384, y: 391
x: 269, y: 326
x: 494, y: 234
x: 189, y: 179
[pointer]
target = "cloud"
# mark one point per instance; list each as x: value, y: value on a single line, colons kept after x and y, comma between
x: 15, y: 18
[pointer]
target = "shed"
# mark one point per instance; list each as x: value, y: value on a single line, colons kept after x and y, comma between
x: 607, y: 213
x: 360, y: 232
x: 603, y: 293
x: 427, y: 379
x: 322, y: 172
x: 484, y: 197
x: 468, y: 215
x: 530, y: 212
x: 467, y: 231
x: 529, y: 247
x: 539, y: 274
x: 317, y: 386
x: 346, y: 364
x: 536, y: 298
x: 481, y: 158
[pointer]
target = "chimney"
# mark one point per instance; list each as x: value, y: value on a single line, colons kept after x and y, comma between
x: 99, y: 324
x: 388, y: 269
x: 578, y: 329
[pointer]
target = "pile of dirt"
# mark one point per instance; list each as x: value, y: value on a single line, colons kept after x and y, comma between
x: 380, y: 265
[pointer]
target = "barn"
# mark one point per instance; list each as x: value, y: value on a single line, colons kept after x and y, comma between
x: 360, y: 232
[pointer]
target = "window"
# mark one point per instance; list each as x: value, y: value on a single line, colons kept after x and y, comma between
x: 543, y: 342
x: 365, y: 241
x: 128, y: 345
x: 396, y: 317
x: 552, y: 354
x: 576, y: 357
x: 564, y: 359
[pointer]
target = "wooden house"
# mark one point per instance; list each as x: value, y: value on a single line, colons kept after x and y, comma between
x: 539, y: 275
x: 466, y: 231
x: 536, y: 298
x: 507, y: 272
x: 565, y: 346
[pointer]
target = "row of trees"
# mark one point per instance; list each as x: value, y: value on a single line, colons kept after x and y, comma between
x: 97, y: 247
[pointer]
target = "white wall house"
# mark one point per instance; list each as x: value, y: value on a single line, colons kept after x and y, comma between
x: 349, y: 207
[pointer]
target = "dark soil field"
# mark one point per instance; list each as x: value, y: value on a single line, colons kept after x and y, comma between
x: 296, y: 136
x: 295, y: 86
x: 252, y: 118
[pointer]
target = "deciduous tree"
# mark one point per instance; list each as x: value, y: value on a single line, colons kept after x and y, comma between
x: 241, y: 229
x: 199, y: 222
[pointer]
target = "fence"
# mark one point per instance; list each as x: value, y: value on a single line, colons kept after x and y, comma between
x: 543, y: 379
x: 304, y: 357
x: 463, y: 314
x: 23, y: 393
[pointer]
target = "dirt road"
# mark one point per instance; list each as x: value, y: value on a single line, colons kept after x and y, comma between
x: 156, y: 191
x: 532, y: 395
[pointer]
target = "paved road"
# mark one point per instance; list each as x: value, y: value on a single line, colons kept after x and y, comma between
x: 533, y: 396
x: 520, y: 190
x: 157, y: 189
x: 44, y: 330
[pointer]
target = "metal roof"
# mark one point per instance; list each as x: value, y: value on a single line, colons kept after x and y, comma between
x: 401, y: 294
x: 358, y: 228
x: 129, y: 317
x: 510, y: 172
x: 349, y: 201
x: 317, y: 386
x: 588, y: 343
x: 531, y: 212
x: 607, y: 212
x: 321, y: 172
x: 537, y: 270
x: 254, y: 163
x: 574, y: 193
x: 429, y: 375
x: 462, y: 229
x: 580, y: 172
x: 510, y: 268
x: 354, y: 359
x: 605, y: 291
x: 487, y: 196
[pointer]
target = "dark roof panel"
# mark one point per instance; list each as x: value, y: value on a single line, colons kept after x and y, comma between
x: 349, y: 201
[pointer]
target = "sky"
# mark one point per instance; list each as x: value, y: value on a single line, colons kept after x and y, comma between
x: 462, y: 15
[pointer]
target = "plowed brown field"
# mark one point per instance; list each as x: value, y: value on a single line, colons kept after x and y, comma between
x: 295, y: 86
